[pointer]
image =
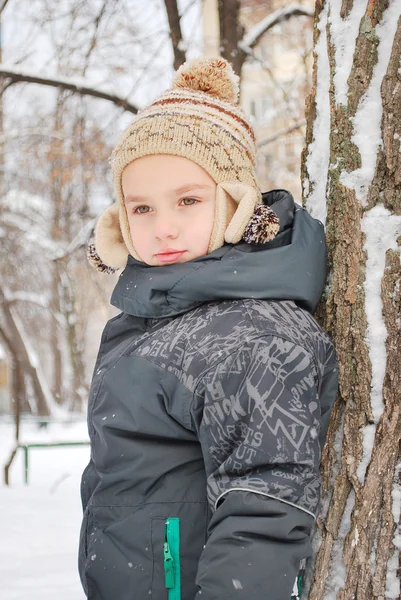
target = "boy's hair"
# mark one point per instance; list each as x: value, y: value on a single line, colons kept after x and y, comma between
x: 199, y: 119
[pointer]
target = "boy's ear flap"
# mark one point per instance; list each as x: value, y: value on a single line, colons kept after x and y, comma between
x: 109, y: 242
x: 246, y: 198
x: 241, y: 215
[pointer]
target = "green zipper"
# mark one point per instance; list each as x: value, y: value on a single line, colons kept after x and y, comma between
x: 171, y: 549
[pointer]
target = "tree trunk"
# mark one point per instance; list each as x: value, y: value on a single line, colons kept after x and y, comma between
x: 75, y: 343
x: 27, y: 360
x: 231, y: 33
x: 58, y: 228
x: 175, y: 32
x: 355, y: 100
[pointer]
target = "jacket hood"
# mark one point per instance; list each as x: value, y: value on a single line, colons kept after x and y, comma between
x: 292, y: 266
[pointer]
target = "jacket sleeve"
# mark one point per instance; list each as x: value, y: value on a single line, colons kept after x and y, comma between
x: 258, y: 418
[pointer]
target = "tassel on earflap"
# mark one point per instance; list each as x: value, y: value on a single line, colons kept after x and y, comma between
x: 95, y: 261
x: 239, y: 215
x: 262, y: 227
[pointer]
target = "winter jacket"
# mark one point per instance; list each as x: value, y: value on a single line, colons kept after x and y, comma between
x: 208, y: 410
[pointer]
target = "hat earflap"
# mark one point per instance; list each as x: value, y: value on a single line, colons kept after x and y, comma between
x: 108, y: 252
x: 252, y: 221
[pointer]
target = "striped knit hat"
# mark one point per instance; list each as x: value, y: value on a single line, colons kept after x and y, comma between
x: 199, y: 119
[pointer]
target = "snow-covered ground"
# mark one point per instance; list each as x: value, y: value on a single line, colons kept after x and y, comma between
x: 39, y: 522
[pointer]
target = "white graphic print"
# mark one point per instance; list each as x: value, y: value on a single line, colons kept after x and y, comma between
x: 255, y: 369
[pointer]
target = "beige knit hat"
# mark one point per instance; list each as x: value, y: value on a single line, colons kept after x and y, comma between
x: 199, y: 119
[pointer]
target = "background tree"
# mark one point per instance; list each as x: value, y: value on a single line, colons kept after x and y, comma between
x: 352, y: 180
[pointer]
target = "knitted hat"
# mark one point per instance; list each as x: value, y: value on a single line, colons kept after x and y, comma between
x: 199, y: 119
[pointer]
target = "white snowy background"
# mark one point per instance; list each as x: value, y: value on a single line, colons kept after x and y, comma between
x: 40, y: 522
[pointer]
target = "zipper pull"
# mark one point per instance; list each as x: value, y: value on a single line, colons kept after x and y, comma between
x: 168, y: 566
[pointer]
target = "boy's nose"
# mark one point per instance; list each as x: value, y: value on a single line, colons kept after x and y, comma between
x: 166, y: 227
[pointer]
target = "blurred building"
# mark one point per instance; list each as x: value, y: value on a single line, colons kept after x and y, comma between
x: 274, y: 86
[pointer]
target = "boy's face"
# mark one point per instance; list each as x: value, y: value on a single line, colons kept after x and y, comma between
x: 170, y: 206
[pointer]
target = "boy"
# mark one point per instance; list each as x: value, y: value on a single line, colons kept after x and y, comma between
x: 212, y: 389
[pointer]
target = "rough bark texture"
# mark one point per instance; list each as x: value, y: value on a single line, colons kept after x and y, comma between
x: 368, y: 544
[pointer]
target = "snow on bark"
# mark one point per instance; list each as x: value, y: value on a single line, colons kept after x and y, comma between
x: 343, y: 33
x: 317, y: 161
x: 336, y: 579
x: 381, y: 229
x: 367, y: 121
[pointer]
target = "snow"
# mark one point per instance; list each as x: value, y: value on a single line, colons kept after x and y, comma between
x: 336, y: 578
x: 367, y: 120
x: 319, y: 150
x: 21, y: 201
x: 343, y: 34
x: 25, y: 296
x: 381, y: 229
x: 39, y: 536
x: 393, y: 582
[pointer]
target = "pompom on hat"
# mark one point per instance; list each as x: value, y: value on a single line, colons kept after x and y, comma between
x: 199, y: 119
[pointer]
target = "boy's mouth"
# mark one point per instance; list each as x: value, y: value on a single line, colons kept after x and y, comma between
x: 170, y: 255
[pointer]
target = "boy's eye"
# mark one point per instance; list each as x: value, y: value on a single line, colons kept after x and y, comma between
x: 189, y: 201
x: 141, y: 209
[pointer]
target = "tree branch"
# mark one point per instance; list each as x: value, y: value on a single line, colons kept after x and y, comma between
x: 79, y: 241
x: 16, y: 76
x: 3, y: 5
x: 281, y: 132
x: 175, y: 32
x: 94, y: 36
x: 252, y: 37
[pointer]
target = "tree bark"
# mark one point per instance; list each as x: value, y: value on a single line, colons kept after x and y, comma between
x: 358, y: 524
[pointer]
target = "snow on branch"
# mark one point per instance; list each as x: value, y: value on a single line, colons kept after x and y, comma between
x: 23, y: 296
x: 254, y: 34
x: 80, y: 240
x: 14, y: 75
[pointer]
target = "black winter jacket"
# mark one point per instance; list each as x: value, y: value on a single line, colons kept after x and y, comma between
x: 208, y: 410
